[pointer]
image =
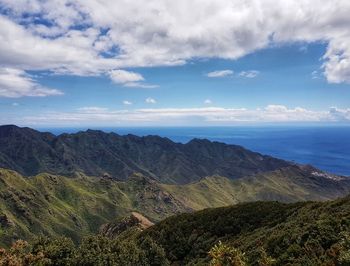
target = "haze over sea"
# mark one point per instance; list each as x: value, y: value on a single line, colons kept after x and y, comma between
x: 325, y: 147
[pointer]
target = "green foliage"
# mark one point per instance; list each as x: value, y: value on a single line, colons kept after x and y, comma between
x: 265, y: 259
x: 344, y: 255
x: 93, y: 251
x: 19, y: 254
x: 260, y: 233
x: 99, y: 250
x: 223, y: 255
x: 58, y: 251
x: 96, y: 251
x: 292, y: 234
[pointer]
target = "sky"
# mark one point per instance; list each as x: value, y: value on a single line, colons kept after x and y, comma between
x: 174, y: 63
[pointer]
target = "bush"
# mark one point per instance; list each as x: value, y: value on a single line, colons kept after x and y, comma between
x: 223, y: 255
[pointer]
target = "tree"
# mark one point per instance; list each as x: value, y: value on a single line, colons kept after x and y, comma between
x: 344, y: 255
x: 19, y: 254
x: 223, y: 255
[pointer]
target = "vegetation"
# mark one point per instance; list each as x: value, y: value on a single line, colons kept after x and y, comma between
x: 223, y: 255
x: 74, y: 207
x: 344, y: 250
x: 94, y: 251
x: 77, y: 206
x: 309, y: 233
x: 260, y: 233
x: 158, y: 178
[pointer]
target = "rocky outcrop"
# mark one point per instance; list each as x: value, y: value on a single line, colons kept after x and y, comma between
x: 135, y: 220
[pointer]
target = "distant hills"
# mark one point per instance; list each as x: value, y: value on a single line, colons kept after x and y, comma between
x: 97, y: 153
x: 72, y: 184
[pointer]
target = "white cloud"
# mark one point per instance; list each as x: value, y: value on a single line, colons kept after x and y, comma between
x: 337, y: 64
x: 337, y: 114
x: 92, y: 109
x: 124, y: 77
x: 125, y: 102
x: 15, y: 104
x: 140, y: 85
x: 150, y: 100
x: 208, y: 101
x: 16, y: 83
x: 249, y: 74
x: 129, y: 79
x: 186, y: 116
x: 220, y: 73
x: 93, y: 37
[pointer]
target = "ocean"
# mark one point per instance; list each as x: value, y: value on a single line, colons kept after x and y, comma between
x: 325, y: 147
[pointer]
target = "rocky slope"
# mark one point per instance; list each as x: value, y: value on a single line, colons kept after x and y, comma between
x: 134, y: 221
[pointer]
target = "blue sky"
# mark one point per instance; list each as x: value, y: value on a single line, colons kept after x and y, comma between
x: 101, y: 75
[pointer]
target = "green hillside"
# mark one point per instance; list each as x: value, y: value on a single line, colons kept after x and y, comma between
x: 309, y: 233
x: 256, y: 233
x: 289, y: 184
x: 56, y: 205
x: 77, y: 206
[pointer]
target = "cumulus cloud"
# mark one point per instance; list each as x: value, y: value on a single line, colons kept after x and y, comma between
x: 208, y: 101
x: 125, y: 102
x: 129, y: 79
x: 220, y: 73
x: 150, y: 100
x: 122, y: 76
x: 84, y: 37
x: 187, y: 116
x: 16, y: 83
x: 249, y: 74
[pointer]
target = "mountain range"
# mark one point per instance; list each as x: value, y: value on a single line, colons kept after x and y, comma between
x: 72, y: 184
x: 97, y: 153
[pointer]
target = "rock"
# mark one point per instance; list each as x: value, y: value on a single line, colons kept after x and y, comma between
x: 135, y: 220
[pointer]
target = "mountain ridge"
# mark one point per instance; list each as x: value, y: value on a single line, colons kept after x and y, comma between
x: 95, y: 153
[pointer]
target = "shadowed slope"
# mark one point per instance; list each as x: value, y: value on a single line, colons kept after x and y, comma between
x: 95, y: 153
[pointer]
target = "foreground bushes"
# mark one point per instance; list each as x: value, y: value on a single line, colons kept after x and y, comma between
x: 95, y: 250
x: 261, y: 233
x: 98, y: 250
